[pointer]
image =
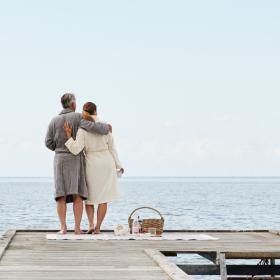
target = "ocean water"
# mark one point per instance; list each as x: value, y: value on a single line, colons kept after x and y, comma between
x: 185, y: 203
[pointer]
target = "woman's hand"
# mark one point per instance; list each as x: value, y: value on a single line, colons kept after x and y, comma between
x: 68, y: 130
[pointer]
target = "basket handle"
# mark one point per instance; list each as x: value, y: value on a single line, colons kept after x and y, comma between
x: 145, y: 207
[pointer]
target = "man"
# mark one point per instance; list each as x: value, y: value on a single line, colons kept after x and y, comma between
x: 69, y: 170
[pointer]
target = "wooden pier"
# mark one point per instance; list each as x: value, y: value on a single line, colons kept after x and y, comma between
x: 27, y: 254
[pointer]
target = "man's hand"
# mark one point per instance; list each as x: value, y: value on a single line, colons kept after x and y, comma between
x: 110, y: 128
x: 68, y: 130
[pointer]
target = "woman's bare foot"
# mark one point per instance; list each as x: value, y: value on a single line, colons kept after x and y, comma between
x: 97, y: 230
x: 63, y: 230
x: 90, y: 230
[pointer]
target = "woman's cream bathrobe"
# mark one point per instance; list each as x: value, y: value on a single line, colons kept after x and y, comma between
x: 102, y: 163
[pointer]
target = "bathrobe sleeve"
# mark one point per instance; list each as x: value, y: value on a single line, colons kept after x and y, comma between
x: 49, y: 140
x: 76, y: 146
x: 95, y: 127
x: 113, y: 151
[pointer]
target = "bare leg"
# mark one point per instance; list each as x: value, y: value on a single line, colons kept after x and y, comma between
x: 90, y: 215
x: 61, y: 212
x: 78, y: 212
x: 101, y: 212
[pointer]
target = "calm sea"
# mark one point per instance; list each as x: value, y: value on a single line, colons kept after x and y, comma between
x: 185, y: 203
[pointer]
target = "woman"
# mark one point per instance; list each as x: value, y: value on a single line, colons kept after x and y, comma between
x: 102, y: 163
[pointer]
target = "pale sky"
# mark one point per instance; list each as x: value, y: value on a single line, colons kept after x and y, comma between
x: 191, y: 88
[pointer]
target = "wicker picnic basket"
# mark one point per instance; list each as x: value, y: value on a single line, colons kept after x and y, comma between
x: 148, y: 223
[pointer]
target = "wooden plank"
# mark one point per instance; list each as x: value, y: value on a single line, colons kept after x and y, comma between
x: 74, y: 275
x: 170, y: 268
x: 253, y: 278
x: 6, y: 239
x: 223, y: 267
x: 253, y: 255
x: 108, y: 268
x: 231, y: 269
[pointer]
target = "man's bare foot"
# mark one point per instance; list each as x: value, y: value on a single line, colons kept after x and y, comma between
x: 78, y: 231
x: 63, y: 230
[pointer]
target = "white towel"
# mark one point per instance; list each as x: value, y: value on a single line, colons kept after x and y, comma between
x: 111, y: 236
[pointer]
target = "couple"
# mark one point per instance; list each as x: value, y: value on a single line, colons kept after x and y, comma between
x: 84, y: 168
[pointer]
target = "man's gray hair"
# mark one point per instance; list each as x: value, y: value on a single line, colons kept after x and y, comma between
x: 67, y: 99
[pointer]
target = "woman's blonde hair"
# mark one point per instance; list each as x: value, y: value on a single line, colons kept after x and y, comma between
x: 89, y: 109
x: 86, y: 116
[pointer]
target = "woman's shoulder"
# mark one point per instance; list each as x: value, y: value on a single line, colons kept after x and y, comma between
x: 89, y: 134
